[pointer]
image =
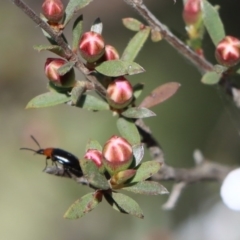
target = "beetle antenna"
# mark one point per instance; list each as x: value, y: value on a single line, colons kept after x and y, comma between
x: 34, y: 139
x: 29, y: 149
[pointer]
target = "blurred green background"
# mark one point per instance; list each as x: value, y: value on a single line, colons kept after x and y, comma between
x: 32, y: 203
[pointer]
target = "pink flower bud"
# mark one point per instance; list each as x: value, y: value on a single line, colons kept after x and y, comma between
x: 117, y: 154
x: 119, y: 93
x: 192, y: 11
x: 91, y: 46
x: 53, y: 10
x: 227, y: 52
x: 51, y: 67
x: 96, y: 157
x: 110, y: 53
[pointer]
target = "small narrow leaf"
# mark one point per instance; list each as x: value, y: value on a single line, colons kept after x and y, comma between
x: 97, y: 26
x: 137, y: 90
x: 82, y: 206
x: 72, y: 7
x: 146, y: 170
x: 77, y: 32
x: 147, y: 188
x: 211, y: 78
x: 48, y: 99
x: 124, y: 204
x: 49, y: 38
x: 93, y: 144
x: 128, y: 130
x: 115, y: 68
x: 212, y: 22
x: 138, y: 112
x: 92, y: 174
x: 52, y: 48
x: 135, y: 45
x: 138, y: 153
x: 90, y: 102
x: 65, y: 68
x: 77, y: 92
x: 160, y: 94
x: 132, y: 24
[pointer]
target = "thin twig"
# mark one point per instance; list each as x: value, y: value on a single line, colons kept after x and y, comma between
x: 199, y: 62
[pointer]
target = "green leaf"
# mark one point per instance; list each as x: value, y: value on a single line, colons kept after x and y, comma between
x: 93, y: 144
x: 48, y: 99
x: 92, y: 174
x: 90, y: 102
x: 146, y: 170
x: 211, y: 78
x: 137, y: 90
x: 65, y: 68
x: 77, y: 32
x: 49, y: 38
x: 77, y: 92
x: 146, y: 187
x: 115, y: 68
x: 138, y: 153
x: 135, y: 45
x: 128, y: 130
x: 72, y: 7
x: 160, y: 94
x: 138, y: 112
x: 124, y: 204
x: 212, y: 22
x: 82, y: 206
x: 132, y: 24
x: 52, y: 48
x: 97, y: 26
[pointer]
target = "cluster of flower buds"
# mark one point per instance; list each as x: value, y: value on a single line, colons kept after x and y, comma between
x: 53, y: 10
x: 116, y: 156
x: 93, y: 49
x: 227, y: 51
x: 51, y: 70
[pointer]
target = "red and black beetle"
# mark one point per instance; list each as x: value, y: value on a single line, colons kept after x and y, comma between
x: 69, y: 162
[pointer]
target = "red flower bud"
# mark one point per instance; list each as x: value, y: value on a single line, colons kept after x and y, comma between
x: 119, y: 93
x: 51, y: 67
x: 53, y: 10
x: 192, y: 11
x: 91, y: 46
x: 110, y: 53
x: 117, y: 154
x: 96, y: 157
x: 227, y: 52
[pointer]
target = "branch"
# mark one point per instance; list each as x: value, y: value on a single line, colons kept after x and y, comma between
x: 199, y: 62
x: 58, y: 38
x: 204, y: 170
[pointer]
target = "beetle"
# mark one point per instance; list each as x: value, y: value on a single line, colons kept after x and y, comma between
x: 69, y: 162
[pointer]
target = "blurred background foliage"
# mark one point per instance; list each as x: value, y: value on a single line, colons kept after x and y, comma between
x: 32, y: 203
